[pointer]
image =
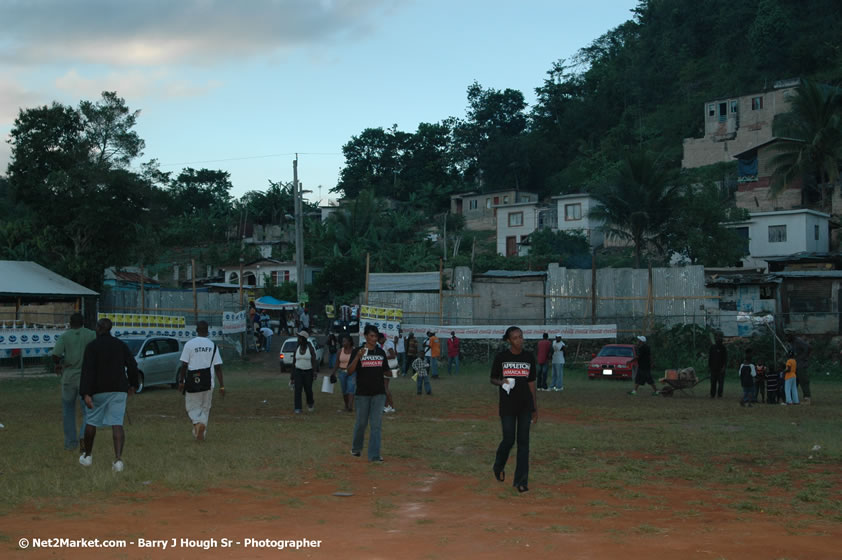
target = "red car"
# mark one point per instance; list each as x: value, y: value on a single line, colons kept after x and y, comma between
x: 614, y: 361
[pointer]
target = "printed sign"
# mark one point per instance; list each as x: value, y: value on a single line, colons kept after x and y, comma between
x: 233, y: 323
x: 567, y: 332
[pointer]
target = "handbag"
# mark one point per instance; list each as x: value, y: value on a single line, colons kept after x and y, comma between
x: 199, y: 380
x: 327, y: 386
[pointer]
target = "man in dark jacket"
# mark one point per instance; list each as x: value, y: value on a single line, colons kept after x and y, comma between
x: 717, y: 360
x: 104, y: 388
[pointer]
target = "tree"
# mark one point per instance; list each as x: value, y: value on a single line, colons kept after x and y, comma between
x: 68, y: 168
x: 201, y: 207
x: 810, y: 141
x: 639, y: 205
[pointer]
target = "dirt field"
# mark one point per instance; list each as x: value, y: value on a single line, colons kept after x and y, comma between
x: 402, y: 509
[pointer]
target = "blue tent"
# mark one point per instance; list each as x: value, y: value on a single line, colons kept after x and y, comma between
x: 270, y: 303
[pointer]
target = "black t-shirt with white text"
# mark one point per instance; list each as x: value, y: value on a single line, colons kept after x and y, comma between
x: 521, y: 367
x: 370, y: 372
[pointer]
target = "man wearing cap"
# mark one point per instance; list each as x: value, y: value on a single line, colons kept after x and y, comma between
x: 558, y: 364
x: 644, y: 367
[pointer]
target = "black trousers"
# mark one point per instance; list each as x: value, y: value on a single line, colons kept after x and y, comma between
x: 303, y: 379
x: 717, y: 382
x: 515, y: 427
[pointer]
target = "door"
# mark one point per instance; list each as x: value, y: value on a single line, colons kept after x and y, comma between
x: 511, y: 246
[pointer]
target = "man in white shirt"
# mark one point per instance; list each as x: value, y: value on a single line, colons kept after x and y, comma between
x: 558, y: 364
x: 267, y: 337
x: 199, y: 359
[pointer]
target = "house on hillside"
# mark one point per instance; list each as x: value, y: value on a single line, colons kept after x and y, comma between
x: 782, y: 233
x: 480, y: 209
x: 736, y: 124
x: 129, y: 278
x: 573, y: 216
x: 754, y: 178
x: 256, y: 272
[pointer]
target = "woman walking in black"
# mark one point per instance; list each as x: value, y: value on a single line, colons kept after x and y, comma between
x: 513, y: 371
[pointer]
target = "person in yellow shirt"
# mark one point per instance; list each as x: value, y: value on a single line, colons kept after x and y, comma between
x: 790, y: 388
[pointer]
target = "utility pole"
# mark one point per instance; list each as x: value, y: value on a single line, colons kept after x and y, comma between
x: 299, y: 232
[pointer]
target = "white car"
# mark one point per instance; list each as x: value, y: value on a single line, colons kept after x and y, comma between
x: 158, y: 360
x: 289, y: 346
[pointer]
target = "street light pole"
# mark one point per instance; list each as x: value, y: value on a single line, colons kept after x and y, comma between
x: 299, y: 232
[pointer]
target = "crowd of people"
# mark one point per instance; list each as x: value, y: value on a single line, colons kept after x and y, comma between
x: 98, y: 372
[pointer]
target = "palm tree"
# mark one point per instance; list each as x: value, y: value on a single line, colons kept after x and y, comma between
x: 810, y: 144
x: 640, y: 205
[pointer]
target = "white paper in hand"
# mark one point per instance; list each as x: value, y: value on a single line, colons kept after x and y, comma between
x: 508, y: 385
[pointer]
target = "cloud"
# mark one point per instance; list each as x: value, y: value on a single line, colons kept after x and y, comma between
x: 13, y: 97
x: 134, y: 84
x: 155, y: 32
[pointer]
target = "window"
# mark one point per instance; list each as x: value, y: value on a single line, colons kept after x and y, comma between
x: 777, y: 234
x: 711, y: 110
x: 734, y: 106
x: 816, y: 232
x: 472, y: 205
x: 506, y: 199
x: 280, y: 276
x: 572, y: 211
x: 515, y: 219
x: 488, y: 203
x: 757, y: 103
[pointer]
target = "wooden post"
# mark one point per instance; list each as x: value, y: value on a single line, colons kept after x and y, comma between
x: 142, y: 293
x: 650, y: 304
x: 367, y: 264
x: 593, y: 289
x: 441, y: 292
x: 195, y: 297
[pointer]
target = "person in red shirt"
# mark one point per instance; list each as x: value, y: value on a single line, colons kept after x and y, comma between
x: 453, y: 353
x: 544, y: 350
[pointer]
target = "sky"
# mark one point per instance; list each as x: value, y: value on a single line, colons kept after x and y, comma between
x: 243, y: 86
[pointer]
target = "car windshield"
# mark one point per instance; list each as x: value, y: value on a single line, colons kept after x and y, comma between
x: 133, y: 344
x: 616, y: 351
x: 289, y: 345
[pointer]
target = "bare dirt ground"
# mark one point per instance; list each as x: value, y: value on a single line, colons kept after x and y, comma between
x: 399, y: 510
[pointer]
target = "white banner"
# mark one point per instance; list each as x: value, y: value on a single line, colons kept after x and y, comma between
x: 567, y: 332
x: 233, y: 323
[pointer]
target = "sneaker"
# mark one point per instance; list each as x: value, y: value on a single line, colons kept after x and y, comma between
x: 355, y: 453
x: 805, y: 400
x: 200, y: 431
x: 388, y: 409
x: 86, y: 461
x: 311, y: 408
x: 298, y: 411
x: 632, y: 393
x: 378, y: 460
x: 117, y: 466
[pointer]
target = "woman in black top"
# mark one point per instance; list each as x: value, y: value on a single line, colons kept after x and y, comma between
x: 370, y: 364
x: 513, y: 371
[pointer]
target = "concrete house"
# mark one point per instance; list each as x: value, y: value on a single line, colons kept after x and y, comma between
x: 736, y: 124
x: 572, y: 211
x: 782, y: 233
x: 480, y: 209
x: 255, y: 273
x: 514, y: 224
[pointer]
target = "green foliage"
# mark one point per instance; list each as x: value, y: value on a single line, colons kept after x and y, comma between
x: 285, y: 291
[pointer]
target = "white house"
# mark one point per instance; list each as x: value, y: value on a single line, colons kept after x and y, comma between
x: 255, y: 273
x: 782, y: 233
x: 572, y: 211
x: 514, y: 223
x: 480, y: 209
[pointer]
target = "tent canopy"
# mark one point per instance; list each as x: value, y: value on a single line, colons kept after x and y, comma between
x: 26, y: 278
x: 272, y: 304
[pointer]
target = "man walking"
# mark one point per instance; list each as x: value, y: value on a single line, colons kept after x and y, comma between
x: 453, y: 353
x: 717, y: 361
x: 70, y: 348
x: 400, y: 348
x: 644, y: 367
x: 199, y: 359
x: 543, y: 357
x: 104, y: 388
x: 558, y: 364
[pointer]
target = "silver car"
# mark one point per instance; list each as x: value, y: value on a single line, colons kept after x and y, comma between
x: 158, y: 360
x: 288, y: 348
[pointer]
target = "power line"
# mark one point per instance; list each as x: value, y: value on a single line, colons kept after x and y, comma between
x: 249, y: 157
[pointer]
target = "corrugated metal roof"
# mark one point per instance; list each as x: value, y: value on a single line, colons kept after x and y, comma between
x: 403, y: 282
x: 809, y: 274
x: 28, y: 278
x: 510, y: 273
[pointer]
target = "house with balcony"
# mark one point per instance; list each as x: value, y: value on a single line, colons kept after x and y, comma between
x: 736, y: 124
x: 480, y: 209
x: 781, y: 233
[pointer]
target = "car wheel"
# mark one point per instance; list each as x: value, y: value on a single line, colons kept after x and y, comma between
x: 139, y: 382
